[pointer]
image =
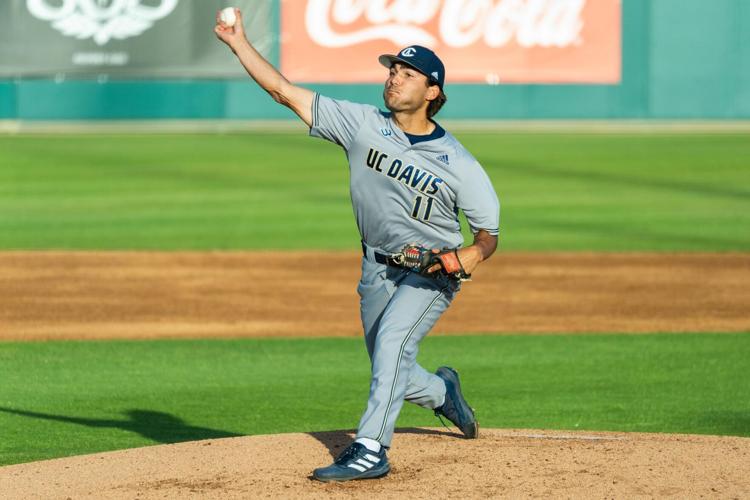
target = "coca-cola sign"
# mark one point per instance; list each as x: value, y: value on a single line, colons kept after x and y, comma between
x: 519, y: 41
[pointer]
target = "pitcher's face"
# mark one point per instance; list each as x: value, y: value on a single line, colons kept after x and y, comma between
x: 406, y: 89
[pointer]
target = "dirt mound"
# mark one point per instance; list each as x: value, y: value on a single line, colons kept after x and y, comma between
x: 83, y: 295
x: 508, y: 463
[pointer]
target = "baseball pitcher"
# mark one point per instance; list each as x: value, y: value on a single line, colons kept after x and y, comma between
x: 408, y: 179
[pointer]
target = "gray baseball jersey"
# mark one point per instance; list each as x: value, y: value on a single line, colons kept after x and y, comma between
x: 402, y: 192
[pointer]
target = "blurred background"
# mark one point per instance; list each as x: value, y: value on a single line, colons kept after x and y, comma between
x: 511, y: 59
x: 645, y: 104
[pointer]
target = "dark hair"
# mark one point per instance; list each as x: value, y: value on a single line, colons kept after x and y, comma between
x: 436, y: 104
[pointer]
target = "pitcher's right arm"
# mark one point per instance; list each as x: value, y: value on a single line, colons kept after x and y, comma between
x: 296, y: 98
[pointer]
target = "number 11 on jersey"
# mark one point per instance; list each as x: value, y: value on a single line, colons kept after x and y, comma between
x: 418, y: 204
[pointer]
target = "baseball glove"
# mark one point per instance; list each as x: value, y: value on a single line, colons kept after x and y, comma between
x: 420, y: 260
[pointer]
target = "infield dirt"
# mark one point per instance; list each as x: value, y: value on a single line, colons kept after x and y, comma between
x: 90, y: 295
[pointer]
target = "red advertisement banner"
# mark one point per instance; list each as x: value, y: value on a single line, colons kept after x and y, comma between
x: 480, y: 41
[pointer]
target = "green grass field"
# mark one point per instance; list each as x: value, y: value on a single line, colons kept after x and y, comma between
x: 68, y: 398
x: 558, y: 191
x: 576, y: 192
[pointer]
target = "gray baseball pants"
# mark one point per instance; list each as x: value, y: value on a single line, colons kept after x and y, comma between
x: 398, y: 309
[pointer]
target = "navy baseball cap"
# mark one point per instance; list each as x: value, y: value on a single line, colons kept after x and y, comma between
x: 420, y: 58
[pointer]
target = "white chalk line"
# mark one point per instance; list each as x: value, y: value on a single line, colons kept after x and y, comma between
x: 570, y: 437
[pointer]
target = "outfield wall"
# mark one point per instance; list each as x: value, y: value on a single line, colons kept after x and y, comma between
x: 682, y: 59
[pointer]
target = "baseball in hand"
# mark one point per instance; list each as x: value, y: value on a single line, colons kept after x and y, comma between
x: 228, y: 16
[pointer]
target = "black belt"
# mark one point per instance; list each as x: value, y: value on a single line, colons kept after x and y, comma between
x: 381, y: 258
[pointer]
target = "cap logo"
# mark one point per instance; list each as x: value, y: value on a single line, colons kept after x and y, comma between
x: 408, y: 52
x: 435, y: 75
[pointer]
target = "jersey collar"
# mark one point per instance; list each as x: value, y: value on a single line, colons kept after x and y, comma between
x: 435, y: 134
x: 411, y: 139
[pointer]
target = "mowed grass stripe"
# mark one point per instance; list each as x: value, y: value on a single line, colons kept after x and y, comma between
x: 69, y: 398
x: 558, y: 191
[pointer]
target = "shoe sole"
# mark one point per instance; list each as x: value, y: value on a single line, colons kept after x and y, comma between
x: 453, y: 374
x: 367, y: 475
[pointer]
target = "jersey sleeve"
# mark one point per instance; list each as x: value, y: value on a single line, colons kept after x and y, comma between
x: 477, y: 198
x: 337, y: 121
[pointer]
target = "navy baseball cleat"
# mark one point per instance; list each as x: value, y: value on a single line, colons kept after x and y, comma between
x: 455, y: 408
x: 355, y: 462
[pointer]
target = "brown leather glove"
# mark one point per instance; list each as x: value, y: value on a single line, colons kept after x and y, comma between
x: 420, y: 259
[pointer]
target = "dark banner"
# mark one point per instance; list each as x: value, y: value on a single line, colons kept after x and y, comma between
x: 125, y: 38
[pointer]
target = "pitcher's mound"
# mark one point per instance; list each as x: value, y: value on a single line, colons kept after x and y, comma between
x: 426, y: 463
